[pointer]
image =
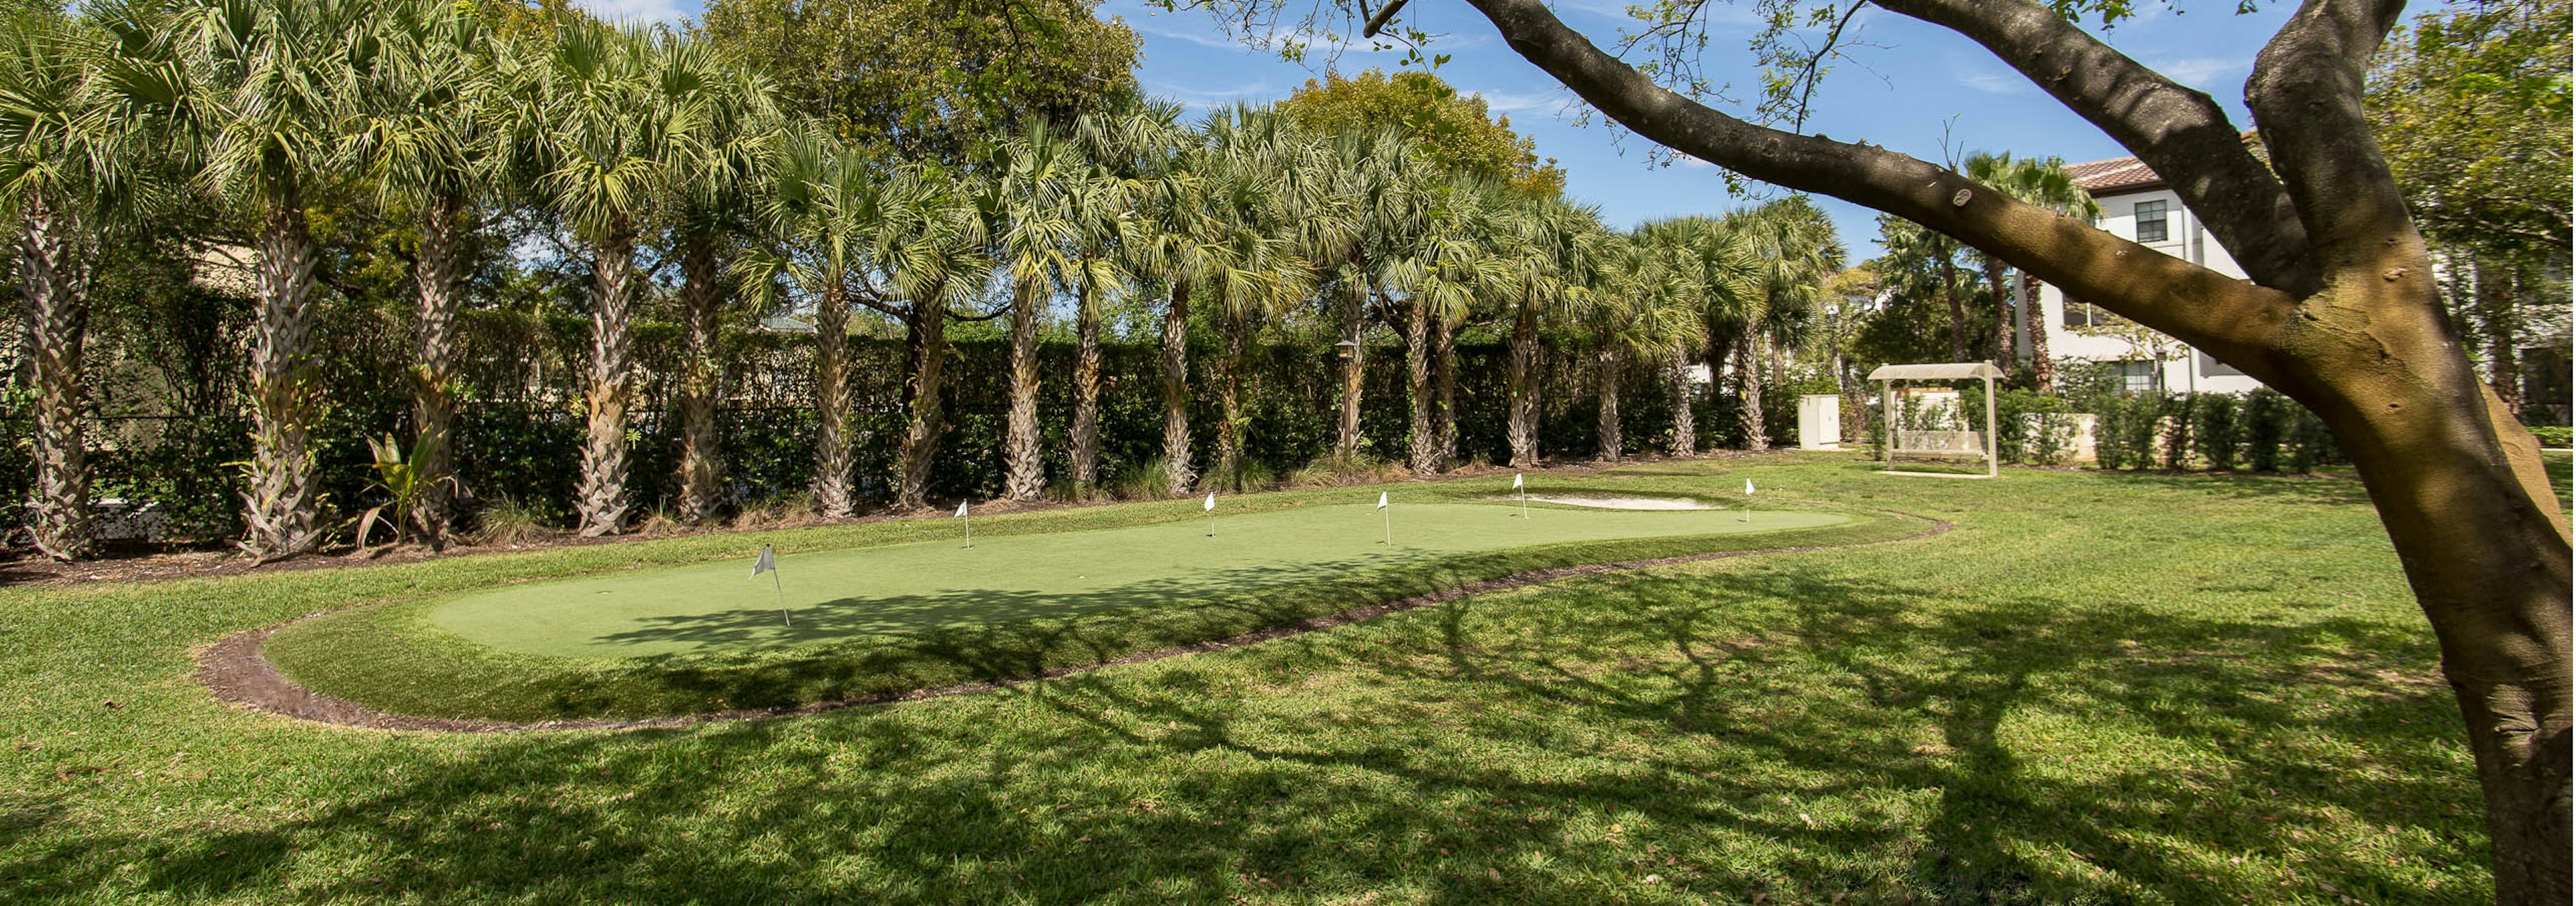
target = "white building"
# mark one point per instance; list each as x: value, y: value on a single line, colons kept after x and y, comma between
x: 2137, y: 205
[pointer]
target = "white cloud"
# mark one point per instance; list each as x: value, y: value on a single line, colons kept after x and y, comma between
x: 2198, y: 71
x: 1551, y: 103
x: 1992, y: 83
x: 666, y: 11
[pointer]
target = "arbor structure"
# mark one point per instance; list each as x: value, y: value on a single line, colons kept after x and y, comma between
x: 2341, y: 309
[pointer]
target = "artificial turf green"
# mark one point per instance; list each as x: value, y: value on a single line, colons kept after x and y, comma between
x: 836, y: 594
x: 2099, y: 688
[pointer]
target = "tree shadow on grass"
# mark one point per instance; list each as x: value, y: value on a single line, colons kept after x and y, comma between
x: 1764, y: 732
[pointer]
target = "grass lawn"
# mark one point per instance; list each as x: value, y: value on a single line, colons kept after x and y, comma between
x: 2098, y: 688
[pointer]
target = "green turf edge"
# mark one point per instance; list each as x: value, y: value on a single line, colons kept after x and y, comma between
x: 388, y: 656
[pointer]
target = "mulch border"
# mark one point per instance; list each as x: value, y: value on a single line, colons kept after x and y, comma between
x: 237, y: 671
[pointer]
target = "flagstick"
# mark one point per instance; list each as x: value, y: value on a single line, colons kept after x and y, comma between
x: 1524, y: 503
x: 1390, y: 526
x: 1211, y: 523
x: 970, y: 529
x: 782, y: 598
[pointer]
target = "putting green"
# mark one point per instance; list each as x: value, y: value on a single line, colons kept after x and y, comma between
x: 841, y: 594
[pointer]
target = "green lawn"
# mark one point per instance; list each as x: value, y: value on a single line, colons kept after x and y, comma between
x: 2098, y: 688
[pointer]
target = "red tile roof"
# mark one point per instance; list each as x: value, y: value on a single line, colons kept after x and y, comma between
x: 2114, y: 176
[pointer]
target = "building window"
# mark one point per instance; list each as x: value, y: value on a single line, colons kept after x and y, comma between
x: 2151, y: 221
x: 2085, y: 314
x: 2135, y: 377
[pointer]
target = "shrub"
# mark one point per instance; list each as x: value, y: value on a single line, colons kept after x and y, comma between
x: 2126, y: 436
x: 2265, y: 424
x: 2215, y: 427
x: 2174, y: 416
x: 2312, y: 444
x: 2556, y: 437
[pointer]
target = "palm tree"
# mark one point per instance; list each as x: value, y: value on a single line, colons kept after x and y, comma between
x: 426, y: 134
x: 266, y: 92
x: 1643, y: 304
x: 1380, y: 185
x: 1127, y: 148
x: 1030, y: 202
x: 1270, y: 186
x: 823, y: 206
x: 63, y: 162
x: 929, y: 254
x: 2043, y: 182
x: 1925, y: 263
x: 608, y: 128
x: 724, y: 168
x: 1559, y: 250
x: 1719, y: 272
x: 1795, y: 242
x: 1441, y: 282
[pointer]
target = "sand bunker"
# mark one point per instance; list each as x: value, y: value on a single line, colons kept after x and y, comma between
x: 1622, y: 503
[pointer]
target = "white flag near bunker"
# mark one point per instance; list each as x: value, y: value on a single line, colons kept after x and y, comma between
x: 1210, y: 507
x: 970, y: 523
x: 1389, y: 518
x: 768, y: 563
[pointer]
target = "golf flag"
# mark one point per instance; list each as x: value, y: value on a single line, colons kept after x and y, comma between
x: 1516, y: 481
x: 1516, y: 485
x: 1748, y: 500
x: 1211, y: 502
x: 768, y: 563
x: 1748, y: 487
x: 1381, y: 500
x: 970, y: 523
x: 1210, y: 507
x: 1386, y: 517
x: 961, y: 509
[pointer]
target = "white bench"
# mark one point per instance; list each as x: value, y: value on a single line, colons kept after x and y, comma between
x: 1941, y: 444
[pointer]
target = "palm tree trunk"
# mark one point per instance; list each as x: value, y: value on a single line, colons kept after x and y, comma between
x: 1229, y: 436
x: 1958, y: 310
x: 2043, y: 374
x: 1748, y: 386
x: 2002, y: 296
x: 1522, y: 375
x: 701, y: 460
x: 830, y: 487
x: 603, y: 454
x: 433, y: 393
x: 283, y: 509
x: 1421, y: 447
x: 927, y: 339
x: 1086, y: 393
x: 1685, y: 440
x: 1605, y: 371
x: 1444, y: 414
x: 1024, y: 468
x: 53, y: 273
x: 1176, y: 390
x: 1346, y: 444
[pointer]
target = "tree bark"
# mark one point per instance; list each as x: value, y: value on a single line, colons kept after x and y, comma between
x: 1685, y: 439
x: 433, y: 393
x: 1086, y: 392
x: 2496, y: 285
x: 2001, y: 295
x: 926, y: 334
x: 1444, y: 376
x: 1229, y: 388
x: 282, y: 507
x: 1748, y: 388
x: 830, y: 486
x: 1024, y: 466
x: 1346, y: 443
x: 2043, y: 373
x: 1421, y: 448
x: 2341, y: 314
x: 702, y: 301
x: 1958, y: 307
x: 1605, y: 372
x: 53, y: 273
x: 1176, y: 390
x: 602, y: 501
x: 1523, y: 376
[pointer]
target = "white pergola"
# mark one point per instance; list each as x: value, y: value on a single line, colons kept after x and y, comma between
x: 1937, y: 444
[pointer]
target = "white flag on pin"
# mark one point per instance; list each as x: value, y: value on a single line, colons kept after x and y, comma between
x: 1748, y: 487
x: 764, y: 564
x: 1516, y: 480
x: 1211, y: 502
x: 1381, y: 500
x: 961, y: 508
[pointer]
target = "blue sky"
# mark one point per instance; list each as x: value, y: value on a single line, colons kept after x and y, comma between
x: 1921, y: 87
